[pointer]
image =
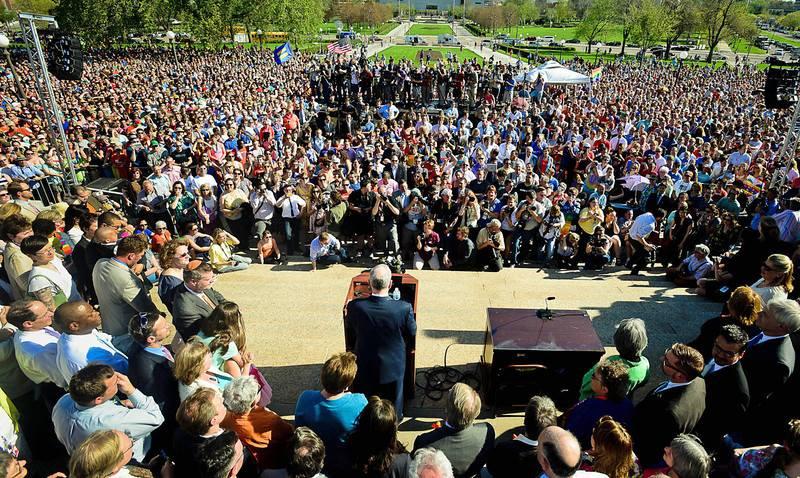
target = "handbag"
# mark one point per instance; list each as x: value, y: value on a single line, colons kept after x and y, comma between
x: 263, y: 386
x: 59, y: 297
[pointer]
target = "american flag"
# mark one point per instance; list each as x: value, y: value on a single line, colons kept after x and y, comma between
x: 340, y: 47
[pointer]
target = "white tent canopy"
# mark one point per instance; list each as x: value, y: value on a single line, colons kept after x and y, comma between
x: 555, y: 73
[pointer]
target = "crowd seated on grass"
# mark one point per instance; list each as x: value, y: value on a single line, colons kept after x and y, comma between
x: 235, y: 161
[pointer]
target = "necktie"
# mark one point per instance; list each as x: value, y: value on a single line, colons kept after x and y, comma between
x: 168, y: 354
x: 207, y: 300
x: 291, y: 209
x: 755, y: 340
x: 708, y: 368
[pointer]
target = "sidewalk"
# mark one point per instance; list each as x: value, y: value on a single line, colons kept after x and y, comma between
x: 470, y: 41
x: 390, y: 39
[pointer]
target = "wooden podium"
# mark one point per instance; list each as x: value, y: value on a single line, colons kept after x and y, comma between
x: 359, y: 287
x: 524, y: 355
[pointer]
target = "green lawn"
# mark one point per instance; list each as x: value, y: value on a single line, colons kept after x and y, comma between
x: 744, y: 47
x: 412, y: 53
x: 430, y: 29
x: 560, y: 33
x: 382, y: 28
x: 781, y: 38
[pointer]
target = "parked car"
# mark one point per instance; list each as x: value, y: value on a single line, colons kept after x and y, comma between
x: 680, y: 48
x: 573, y: 40
x: 547, y: 39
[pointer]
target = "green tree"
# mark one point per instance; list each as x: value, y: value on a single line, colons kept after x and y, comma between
x: 300, y: 18
x: 597, y: 20
x: 158, y: 14
x: 684, y: 19
x: 742, y: 26
x: 650, y: 21
x: 716, y: 15
x: 791, y: 21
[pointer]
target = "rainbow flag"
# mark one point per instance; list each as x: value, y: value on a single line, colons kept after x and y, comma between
x: 596, y: 74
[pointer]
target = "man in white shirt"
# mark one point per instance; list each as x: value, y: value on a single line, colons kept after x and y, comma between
x: 691, y: 269
x: 35, y: 342
x: 262, y: 201
x: 739, y: 157
x: 291, y: 206
x: 325, y: 250
x: 81, y: 343
x: 643, y: 226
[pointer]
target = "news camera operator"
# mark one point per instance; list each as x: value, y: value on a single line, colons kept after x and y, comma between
x: 490, y: 246
x: 385, y: 213
x: 262, y: 201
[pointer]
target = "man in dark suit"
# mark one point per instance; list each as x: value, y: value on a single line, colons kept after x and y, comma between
x: 380, y: 328
x: 195, y: 300
x: 517, y: 457
x: 674, y: 407
x: 150, y: 366
x: 398, y: 170
x: 727, y: 394
x: 466, y: 444
x: 768, y: 364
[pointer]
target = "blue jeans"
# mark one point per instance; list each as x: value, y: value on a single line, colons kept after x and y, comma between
x: 519, y: 243
x: 240, y: 263
x: 549, y: 248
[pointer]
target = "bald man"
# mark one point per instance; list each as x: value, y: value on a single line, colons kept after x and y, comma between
x: 379, y: 329
x: 81, y: 343
x: 559, y: 454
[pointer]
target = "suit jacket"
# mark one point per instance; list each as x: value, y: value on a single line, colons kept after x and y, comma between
x: 768, y: 367
x: 380, y: 328
x: 399, y: 174
x: 152, y: 374
x: 121, y: 295
x: 661, y: 416
x: 188, y: 310
x: 467, y: 449
x: 514, y: 458
x: 727, y: 399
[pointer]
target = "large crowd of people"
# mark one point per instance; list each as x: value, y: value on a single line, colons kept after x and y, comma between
x: 230, y: 160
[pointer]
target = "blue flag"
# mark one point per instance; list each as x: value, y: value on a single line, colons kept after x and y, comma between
x: 283, y: 53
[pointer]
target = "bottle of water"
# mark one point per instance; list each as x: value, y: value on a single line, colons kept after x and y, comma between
x: 396, y: 293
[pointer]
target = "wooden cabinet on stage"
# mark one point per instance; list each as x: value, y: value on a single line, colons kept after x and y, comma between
x: 359, y: 288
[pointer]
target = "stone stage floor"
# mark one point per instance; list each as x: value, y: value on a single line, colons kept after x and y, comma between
x: 294, y: 319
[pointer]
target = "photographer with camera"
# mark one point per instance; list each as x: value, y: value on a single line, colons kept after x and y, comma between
x: 262, y: 201
x: 597, y: 250
x: 385, y: 213
x: 460, y: 251
x: 427, y: 247
x: 528, y: 216
x: 291, y: 207
x: 415, y: 211
x: 490, y: 246
x: 326, y: 250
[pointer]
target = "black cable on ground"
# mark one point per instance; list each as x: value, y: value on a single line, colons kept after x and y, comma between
x: 439, y: 380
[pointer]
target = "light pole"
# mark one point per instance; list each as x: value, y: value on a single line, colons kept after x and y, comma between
x: 171, y: 39
x: 4, y: 44
x: 260, y: 34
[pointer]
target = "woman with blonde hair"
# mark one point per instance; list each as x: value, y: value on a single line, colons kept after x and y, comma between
x: 612, y: 450
x: 9, y: 209
x: 776, y: 278
x: 104, y: 454
x: 743, y: 307
x: 193, y: 369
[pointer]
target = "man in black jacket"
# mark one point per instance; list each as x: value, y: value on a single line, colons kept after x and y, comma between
x: 727, y: 393
x: 195, y: 299
x: 466, y: 444
x: 674, y: 407
x: 150, y: 366
x: 517, y: 457
x: 379, y: 329
x: 768, y: 364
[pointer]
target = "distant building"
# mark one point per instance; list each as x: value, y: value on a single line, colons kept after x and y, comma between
x: 441, y: 5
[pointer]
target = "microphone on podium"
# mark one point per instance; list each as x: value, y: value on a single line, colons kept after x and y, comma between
x: 546, y: 313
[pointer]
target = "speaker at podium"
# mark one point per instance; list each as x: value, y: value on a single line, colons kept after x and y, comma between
x: 408, y: 288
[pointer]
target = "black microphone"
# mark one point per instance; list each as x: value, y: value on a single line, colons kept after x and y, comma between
x: 546, y: 313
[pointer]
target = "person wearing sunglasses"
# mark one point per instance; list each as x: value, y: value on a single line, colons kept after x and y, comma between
x: 674, y: 407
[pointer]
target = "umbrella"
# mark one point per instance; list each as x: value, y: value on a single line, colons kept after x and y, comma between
x: 635, y: 182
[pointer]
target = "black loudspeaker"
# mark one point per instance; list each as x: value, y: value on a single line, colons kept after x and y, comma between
x: 780, y: 90
x: 65, y: 57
